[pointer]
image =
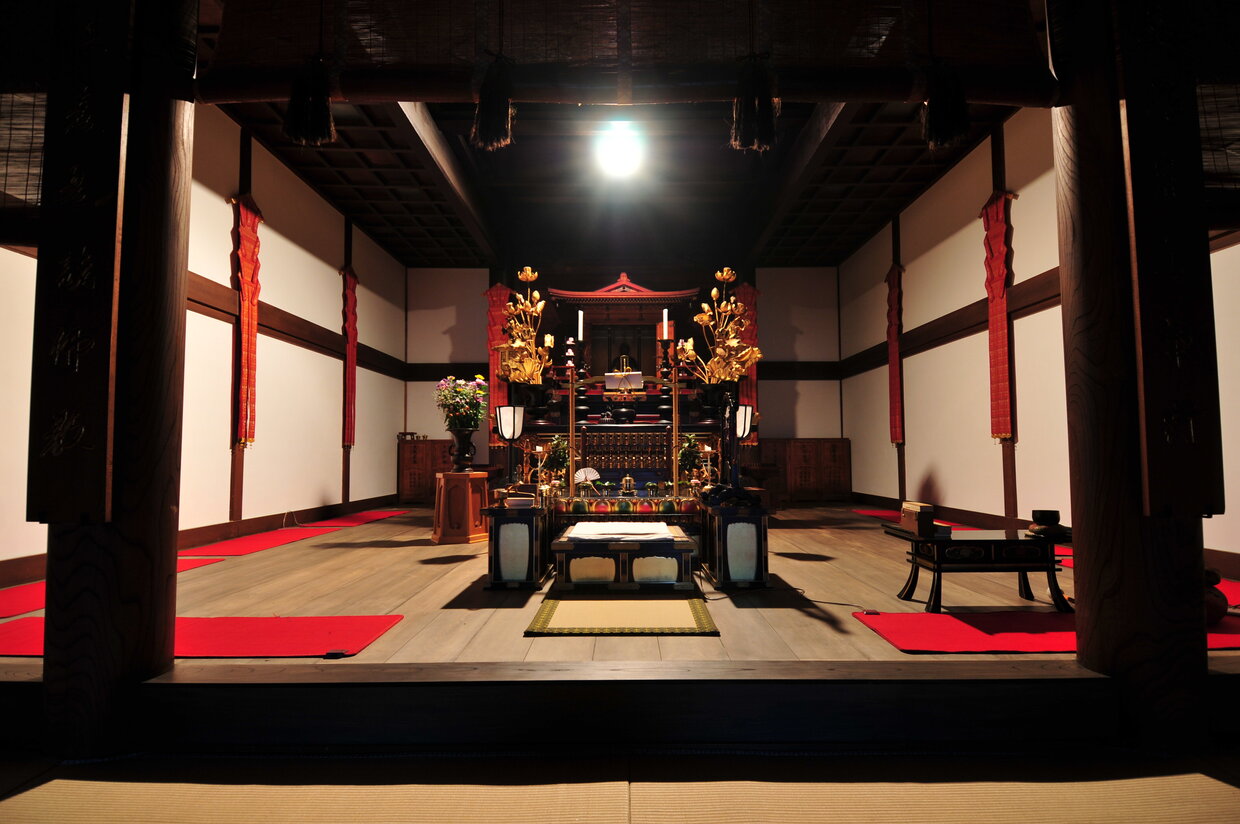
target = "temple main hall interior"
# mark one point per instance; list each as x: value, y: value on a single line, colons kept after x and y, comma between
x: 676, y: 386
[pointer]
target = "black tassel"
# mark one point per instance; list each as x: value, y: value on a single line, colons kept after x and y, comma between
x: 308, y: 120
x: 755, y: 107
x: 945, y: 113
x: 492, y: 127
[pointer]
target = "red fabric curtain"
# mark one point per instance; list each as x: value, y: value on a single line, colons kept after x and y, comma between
x: 747, y: 294
x: 349, y: 328
x: 496, y: 296
x: 245, y: 269
x: 895, y: 365
x: 997, y: 223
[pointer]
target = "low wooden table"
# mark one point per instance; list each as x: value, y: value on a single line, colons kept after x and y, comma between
x: 979, y: 550
x: 623, y: 555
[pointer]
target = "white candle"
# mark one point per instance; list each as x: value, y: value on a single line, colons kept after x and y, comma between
x: 664, y: 318
x: 581, y: 321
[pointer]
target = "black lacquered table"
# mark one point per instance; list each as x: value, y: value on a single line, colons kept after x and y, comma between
x: 979, y: 550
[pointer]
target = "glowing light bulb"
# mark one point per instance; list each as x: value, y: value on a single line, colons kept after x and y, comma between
x: 619, y: 150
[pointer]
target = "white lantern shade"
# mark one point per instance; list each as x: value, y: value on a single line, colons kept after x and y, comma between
x: 510, y: 420
x: 744, y: 421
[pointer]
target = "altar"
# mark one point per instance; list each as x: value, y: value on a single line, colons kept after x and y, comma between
x: 624, y: 424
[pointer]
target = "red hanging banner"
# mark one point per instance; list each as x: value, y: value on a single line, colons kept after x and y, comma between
x: 997, y: 224
x: 497, y: 296
x: 747, y: 294
x: 245, y: 269
x: 349, y: 328
x: 895, y: 365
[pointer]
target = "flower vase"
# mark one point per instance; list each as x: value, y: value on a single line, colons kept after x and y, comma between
x: 462, y: 449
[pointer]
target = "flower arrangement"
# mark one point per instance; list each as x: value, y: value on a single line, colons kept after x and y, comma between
x: 522, y: 360
x: 463, y: 403
x: 722, y: 321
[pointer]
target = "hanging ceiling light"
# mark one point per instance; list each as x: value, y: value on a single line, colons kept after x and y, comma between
x: 619, y: 150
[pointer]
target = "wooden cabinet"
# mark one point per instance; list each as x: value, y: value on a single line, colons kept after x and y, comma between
x: 416, y: 465
x: 807, y: 469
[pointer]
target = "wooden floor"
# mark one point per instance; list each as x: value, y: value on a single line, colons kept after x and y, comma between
x: 825, y: 563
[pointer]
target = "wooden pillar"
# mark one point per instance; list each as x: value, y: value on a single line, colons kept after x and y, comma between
x: 111, y: 578
x: 1138, y: 577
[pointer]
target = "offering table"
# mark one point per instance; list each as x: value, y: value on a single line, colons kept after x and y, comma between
x: 624, y: 555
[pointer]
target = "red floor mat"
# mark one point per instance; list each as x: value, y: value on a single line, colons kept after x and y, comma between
x: 1001, y: 631
x: 359, y: 518
x: 23, y: 598
x: 257, y: 543
x: 186, y: 564
x: 267, y: 637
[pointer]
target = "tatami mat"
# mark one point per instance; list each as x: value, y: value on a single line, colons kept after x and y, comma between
x: 682, y: 790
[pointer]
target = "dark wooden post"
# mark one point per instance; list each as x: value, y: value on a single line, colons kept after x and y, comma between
x: 1138, y: 577
x: 111, y: 582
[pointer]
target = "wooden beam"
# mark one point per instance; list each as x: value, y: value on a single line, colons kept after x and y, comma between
x: 1137, y: 579
x: 419, y: 128
x: 698, y: 83
x: 814, y: 139
x: 111, y: 579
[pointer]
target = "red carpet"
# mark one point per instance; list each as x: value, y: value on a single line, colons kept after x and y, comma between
x: 185, y: 564
x: 29, y: 597
x: 883, y: 514
x: 1232, y: 590
x: 256, y: 543
x: 308, y: 637
x: 359, y: 518
x: 1001, y: 631
x: 19, y: 599
x: 893, y: 516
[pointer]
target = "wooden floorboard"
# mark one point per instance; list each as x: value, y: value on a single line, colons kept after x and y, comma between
x: 825, y: 564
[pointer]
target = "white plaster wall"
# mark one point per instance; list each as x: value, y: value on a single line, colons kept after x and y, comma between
x: 380, y: 413
x: 17, y: 277
x: 295, y: 462
x: 799, y: 409
x: 301, y: 244
x: 863, y: 294
x: 207, y: 434
x: 1030, y: 165
x: 941, y: 241
x: 380, y: 296
x: 1042, y: 480
x: 874, y: 467
x: 797, y: 314
x: 216, y: 157
x: 447, y: 318
x: 1223, y: 531
x: 950, y: 458
x: 423, y: 417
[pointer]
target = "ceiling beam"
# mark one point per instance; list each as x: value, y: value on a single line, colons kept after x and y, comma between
x: 419, y: 129
x: 815, y: 138
x: 1032, y: 86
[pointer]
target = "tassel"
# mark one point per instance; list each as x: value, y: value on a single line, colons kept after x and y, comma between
x: 492, y: 127
x: 945, y: 113
x: 308, y: 120
x: 755, y: 107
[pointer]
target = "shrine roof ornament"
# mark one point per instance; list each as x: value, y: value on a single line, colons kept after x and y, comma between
x: 624, y: 290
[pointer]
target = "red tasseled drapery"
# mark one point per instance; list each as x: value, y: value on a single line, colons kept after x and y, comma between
x: 245, y: 269
x: 349, y: 328
x: 996, y: 221
x: 747, y: 294
x: 496, y: 296
x: 895, y: 365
